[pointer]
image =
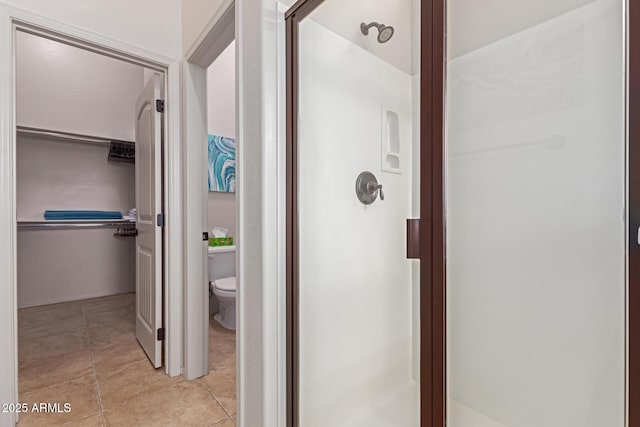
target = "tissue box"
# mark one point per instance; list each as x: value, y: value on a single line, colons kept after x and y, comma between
x: 221, y: 241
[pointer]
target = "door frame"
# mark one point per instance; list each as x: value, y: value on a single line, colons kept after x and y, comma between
x: 217, y: 36
x: 13, y: 19
x: 260, y: 327
x: 432, y: 265
x: 633, y: 215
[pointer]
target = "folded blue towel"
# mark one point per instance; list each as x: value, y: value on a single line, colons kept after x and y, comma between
x: 81, y: 215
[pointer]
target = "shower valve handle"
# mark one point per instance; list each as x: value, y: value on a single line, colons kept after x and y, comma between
x: 373, y: 188
x: 368, y: 189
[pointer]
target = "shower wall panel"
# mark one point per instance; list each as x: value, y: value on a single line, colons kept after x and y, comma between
x: 355, y: 281
x: 536, y: 224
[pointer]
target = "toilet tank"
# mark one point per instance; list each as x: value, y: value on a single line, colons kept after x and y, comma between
x: 222, y: 262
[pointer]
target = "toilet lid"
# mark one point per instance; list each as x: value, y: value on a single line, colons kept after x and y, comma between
x: 226, y: 284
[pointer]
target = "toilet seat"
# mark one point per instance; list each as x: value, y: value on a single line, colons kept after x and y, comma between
x: 228, y: 284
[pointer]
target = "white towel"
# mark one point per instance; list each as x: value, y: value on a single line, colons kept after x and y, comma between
x: 132, y: 215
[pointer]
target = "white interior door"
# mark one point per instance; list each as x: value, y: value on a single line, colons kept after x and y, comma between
x: 149, y: 205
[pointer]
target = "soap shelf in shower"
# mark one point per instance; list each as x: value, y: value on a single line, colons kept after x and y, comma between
x: 390, y: 152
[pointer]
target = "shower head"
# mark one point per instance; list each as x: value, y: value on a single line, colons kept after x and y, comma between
x: 385, y: 32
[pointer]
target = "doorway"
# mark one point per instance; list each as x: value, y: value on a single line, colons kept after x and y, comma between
x: 221, y: 281
x: 90, y: 203
x: 212, y: 291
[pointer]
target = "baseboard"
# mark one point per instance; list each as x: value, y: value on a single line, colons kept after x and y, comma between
x: 76, y: 298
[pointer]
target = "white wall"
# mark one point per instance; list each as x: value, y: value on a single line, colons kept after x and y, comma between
x: 221, y: 120
x: 197, y: 17
x: 535, y: 224
x: 60, y: 175
x: 60, y: 87
x: 149, y: 24
x: 221, y: 94
x: 355, y: 280
x: 65, y: 265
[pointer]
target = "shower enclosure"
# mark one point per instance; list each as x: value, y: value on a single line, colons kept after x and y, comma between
x: 456, y: 213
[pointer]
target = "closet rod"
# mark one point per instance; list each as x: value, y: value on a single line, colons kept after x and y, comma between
x: 33, y: 225
x: 67, y: 136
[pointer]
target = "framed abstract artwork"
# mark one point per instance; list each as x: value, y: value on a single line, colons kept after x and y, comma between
x: 222, y: 164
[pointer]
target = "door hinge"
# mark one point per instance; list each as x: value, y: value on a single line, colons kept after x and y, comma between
x: 161, y: 334
x: 413, y: 239
x: 205, y: 237
x: 160, y: 220
x: 160, y: 105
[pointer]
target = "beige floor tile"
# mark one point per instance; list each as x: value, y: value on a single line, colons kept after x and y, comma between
x: 117, y: 352
x: 226, y: 423
x: 45, y: 347
x: 57, y: 343
x: 105, y: 335
x: 183, y: 404
x: 50, y: 320
x: 63, y: 306
x: 131, y: 381
x: 41, y: 373
x: 222, y: 346
x: 221, y: 383
x: 222, y: 352
x: 50, y: 327
x: 109, y: 303
x: 116, y: 316
x: 92, y: 421
x: 217, y: 329
x: 80, y: 393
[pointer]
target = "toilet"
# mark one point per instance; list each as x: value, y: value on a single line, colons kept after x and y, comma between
x: 222, y: 282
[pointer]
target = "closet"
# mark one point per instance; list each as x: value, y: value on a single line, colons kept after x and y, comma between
x: 89, y: 149
x: 75, y: 117
x: 69, y: 260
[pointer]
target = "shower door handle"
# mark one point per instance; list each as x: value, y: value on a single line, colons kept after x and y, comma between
x: 413, y: 239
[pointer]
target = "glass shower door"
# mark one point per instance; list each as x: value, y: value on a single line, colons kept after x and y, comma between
x: 535, y: 213
x: 357, y: 174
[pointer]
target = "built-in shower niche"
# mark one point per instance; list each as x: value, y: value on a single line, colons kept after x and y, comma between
x: 390, y: 141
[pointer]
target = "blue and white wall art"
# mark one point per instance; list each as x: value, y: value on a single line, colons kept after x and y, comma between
x: 222, y: 164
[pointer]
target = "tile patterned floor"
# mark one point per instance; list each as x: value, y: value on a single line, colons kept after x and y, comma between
x: 86, y: 353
